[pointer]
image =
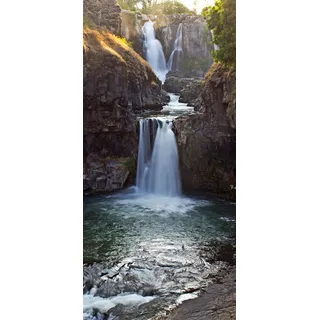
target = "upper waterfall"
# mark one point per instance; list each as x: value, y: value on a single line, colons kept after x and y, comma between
x: 174, y: 60
x: 153, y: 51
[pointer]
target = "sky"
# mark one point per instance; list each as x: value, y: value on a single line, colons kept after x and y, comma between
x: 200, y: 4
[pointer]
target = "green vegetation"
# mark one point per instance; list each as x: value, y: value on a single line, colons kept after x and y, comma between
x: 221, y: 18
x: 125, y: 41
x: 168, y: 7
x: 128, y: 4
x: 155, y: 7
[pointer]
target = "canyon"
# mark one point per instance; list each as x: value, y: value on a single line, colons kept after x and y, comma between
x: 120, y: 86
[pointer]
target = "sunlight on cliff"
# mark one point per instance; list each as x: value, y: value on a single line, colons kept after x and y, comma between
x: 92, y: 38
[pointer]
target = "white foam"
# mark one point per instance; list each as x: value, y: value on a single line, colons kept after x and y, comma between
x: 174, y: 107
x: 227, y: 219
x: 91, y: 302
x: 131, y: 299
x: 159, y: 204
x: 186, y: 296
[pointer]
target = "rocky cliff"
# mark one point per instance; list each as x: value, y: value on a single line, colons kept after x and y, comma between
x: 207, y: 140
x: 196, y: 42
x: 196, y: 39
x: 103, y: 13
x: 117, y: 83
x: 190, y: 92
x: 131, y: 28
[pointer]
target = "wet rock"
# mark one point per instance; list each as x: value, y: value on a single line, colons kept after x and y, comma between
x: 165, y: 97
x: 117, y: 84
x: 207, y: 140
x: 196, y: 41
x: 104, y: 174
x: 190, y: 92
x: 217, y: 302
x: 217, y: 250
x: 91, y: 276
x: 175, y: 84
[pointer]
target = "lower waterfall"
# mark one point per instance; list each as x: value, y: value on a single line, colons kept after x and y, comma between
x: 158, y: 161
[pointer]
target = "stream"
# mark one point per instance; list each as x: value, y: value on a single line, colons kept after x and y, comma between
x: 146, y: 251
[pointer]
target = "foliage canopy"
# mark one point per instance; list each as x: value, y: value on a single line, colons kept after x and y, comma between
x: 155, y: 7
x: 221, y: 18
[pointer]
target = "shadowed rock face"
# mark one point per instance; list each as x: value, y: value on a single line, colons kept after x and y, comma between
x: 207, y: 140
x: 117, y: 83
x: 176, y: 84
x: 131, y: 28
x: 190, y: 93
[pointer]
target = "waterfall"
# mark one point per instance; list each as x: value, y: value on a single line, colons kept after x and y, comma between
x: 158, y: 170
x: 153, y: 51
x: 174, y: 59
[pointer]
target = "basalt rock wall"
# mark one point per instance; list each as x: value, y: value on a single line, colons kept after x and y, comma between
x: 117, y: 85
x: 207, y: 139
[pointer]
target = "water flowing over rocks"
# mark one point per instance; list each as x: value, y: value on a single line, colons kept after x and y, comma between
x: 196, y: 56
x: 168, y: 280
x: 196, y: 41
x: 207, y: 140
x: 117, y: 84
x: 153, y: 51
x: 158, y: 165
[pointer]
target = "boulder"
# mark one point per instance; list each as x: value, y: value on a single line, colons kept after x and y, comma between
x: 175, y: 84
x: 104, y: 174
x: 190, y: 93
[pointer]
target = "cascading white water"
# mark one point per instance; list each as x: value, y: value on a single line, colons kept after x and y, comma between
x: 174, y: 59
x: 144, y: 154
x: 158, y: 171
x: 154, y: 52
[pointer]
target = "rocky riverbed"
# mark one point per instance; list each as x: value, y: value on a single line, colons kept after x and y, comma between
x: 142, y: 259
x: 217, y: 301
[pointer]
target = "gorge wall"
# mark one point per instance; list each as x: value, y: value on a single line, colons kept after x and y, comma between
x: 196, y: 39
x: 131, y: 28
x: 117, y: 83
x: 103, y: 13
x: 196, y: 42
x: 207, y: 140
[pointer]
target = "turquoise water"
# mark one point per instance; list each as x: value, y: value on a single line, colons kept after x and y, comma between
x: 151, y: 249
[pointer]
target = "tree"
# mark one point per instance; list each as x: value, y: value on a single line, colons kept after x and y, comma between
x: 128, y: 4
x: 167, y: 7
x: 221, y: 18
x: 155, y: 7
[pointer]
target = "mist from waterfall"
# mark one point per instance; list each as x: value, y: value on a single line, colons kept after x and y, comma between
x: 158, y: 165
x: 174, y: 59
x: 154, y: 51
